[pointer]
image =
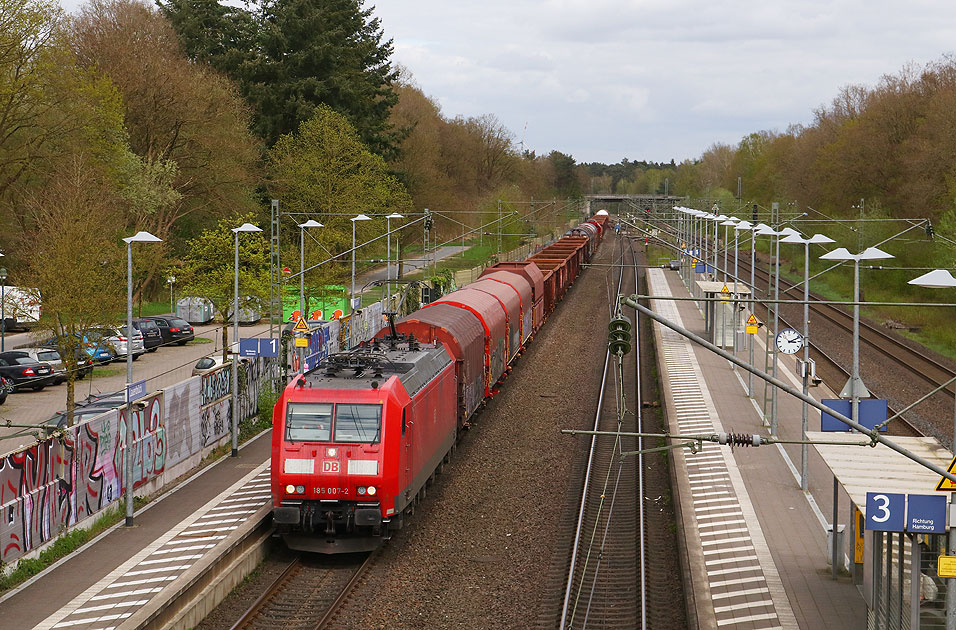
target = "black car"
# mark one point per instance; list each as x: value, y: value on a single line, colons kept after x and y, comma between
x: 25, y: 372
x: 173, y: 329
x: 79, y: 415
x: 152, y: 336
x: 6, y: 386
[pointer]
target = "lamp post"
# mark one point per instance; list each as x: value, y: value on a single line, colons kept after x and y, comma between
x: 139, y: 237
x: 171, y: 280
x: 854, y: 388
x: 3, y: 307
x: 302, y: 228
x: 806, y: 242
x: 943, y: 279
x: 388, y: 258
x: 245, y: 227
x: 360, y: 217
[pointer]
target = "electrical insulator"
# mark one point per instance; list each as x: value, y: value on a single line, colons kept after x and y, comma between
x: 619, y: 335
x: 739, y: 439
x: 929, y: 229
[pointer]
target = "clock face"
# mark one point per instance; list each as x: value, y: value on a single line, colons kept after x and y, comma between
x: 789, y: 341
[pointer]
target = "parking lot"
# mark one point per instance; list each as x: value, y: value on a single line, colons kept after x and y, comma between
x: 164, y: 367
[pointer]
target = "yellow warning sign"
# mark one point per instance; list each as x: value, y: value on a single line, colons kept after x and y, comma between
x: 301, y: 326
x: 946, y: 566
x: 752, y: 326
x: 945, y: 485
x: 301, y: 342
x: 725, y: 289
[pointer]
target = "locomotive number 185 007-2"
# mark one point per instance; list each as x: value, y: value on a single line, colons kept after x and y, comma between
x: 331, y: 491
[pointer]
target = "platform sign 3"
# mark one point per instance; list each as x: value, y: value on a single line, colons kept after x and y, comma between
x: 885, y: 512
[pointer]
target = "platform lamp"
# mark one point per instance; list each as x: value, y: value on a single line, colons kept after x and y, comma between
x: 311, y: 223
x: 244, y: 228
x: 740, y: 227
x: 139, y: 237
x: 943, y: 279
x: 816, y: 239
x: 388, y: 258
x: 3, y: 307
x: 766, y: 230
x: 854, y: 388
x: 360, y: 217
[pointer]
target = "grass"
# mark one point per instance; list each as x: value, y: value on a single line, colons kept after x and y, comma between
x: 106, y: 372
x: 198, y: 341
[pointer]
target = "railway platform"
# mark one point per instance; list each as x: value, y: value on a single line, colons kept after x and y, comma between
x: 754, y: 543
x: 124, y: 577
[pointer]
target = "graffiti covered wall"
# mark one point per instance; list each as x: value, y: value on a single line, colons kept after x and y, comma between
x: 65, y: 479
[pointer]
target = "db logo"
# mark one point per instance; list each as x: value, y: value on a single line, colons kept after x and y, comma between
x: 330, y: 466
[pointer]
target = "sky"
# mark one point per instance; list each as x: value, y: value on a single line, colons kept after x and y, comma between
x: 654, y: 80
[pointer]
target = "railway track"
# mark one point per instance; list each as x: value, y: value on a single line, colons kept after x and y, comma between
x: 604, y: 578
x: 307, y: 594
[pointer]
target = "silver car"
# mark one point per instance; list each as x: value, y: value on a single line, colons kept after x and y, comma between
x: 116, y: 338
x: 51, y: 356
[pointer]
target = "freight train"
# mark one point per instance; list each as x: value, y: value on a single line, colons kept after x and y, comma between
x: 356, y: 439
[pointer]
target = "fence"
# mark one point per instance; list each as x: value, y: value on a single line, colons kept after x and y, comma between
x: 63, y: 481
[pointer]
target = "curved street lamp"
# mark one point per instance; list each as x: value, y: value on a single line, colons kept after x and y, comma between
x: 311, y: 223
x: 388, y: 258
x: 360, y: 217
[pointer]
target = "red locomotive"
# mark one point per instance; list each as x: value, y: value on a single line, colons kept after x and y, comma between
x: 355, y: 440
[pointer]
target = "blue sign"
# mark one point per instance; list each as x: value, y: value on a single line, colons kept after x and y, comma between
x: 248, y: 347
x: 135, y: 391
x: 873, y: 411
x: 268, y: 347
x: 926, y: 514
x: 885, y: 512
x: 255, y: 347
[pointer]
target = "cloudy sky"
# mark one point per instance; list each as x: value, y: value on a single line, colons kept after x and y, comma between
x: 654, y: 79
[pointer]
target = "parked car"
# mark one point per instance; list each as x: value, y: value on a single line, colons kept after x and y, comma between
x: 116, y: 338
x: 210, y: 363
x: 109, y: 400
x: 95, y: 348
x: 47, y: 355
x: 173, y: 329
x: 24, y: 371
x: 6, y: 386
x: 152, y: 337
x: 79, y: 415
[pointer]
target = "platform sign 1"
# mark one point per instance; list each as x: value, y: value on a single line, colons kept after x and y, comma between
x: 926, y: 514
x: 885, y: 512
x: 255, y: 347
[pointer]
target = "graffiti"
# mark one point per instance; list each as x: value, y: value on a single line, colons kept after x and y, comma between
x: 216, y: 386
x: 52, y: 485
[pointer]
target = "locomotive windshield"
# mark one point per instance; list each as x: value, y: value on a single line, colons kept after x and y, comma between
x: 358, y: 423
x: 309, y: 422
x: 312, y: 422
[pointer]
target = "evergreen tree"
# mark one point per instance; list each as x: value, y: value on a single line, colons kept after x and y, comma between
x: 289, y: 56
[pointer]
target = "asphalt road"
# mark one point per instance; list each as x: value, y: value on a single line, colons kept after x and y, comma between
x: 166, y: 366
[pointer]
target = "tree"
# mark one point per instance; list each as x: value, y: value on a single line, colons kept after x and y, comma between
x: 289, y: 56
x: 187, y: 125
x: 208, y: 269
x: 326, y: 172
x: 76, y: 260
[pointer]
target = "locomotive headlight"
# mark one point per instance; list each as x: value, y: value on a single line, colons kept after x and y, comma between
x: 372, y: 490
x: 361, y: 489
x: 331, y: 452
x: 300, y: 489
x: 290, y: 489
